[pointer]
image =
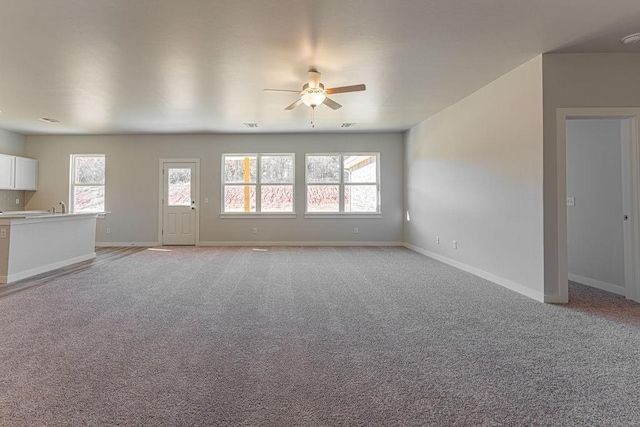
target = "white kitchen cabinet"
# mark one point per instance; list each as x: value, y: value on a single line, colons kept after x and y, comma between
x: 7, y: 167
x: 26, y: 174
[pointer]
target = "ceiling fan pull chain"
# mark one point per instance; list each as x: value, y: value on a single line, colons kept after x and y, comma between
x: 312, y: 117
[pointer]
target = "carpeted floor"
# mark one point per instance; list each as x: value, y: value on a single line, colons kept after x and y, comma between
x: 310, y: 337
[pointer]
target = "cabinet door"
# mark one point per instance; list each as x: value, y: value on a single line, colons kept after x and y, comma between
x: 26, y: 174
x: 6, y: 171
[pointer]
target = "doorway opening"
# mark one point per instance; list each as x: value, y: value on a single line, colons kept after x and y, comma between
x: 598, y: 182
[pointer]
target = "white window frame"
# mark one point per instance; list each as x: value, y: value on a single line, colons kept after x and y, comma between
x: 258, y: 184
x: 341, y: 184
x: 73, y: 184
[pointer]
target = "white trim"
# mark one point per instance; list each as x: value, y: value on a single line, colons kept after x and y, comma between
x: 344, y: 215
x: 255, y: 215
x: 599, y: 284
x: 513, y: 286
x: 294, y: 243
x: 632, y: 228
x: 124, y: 244
x: 44, y: 268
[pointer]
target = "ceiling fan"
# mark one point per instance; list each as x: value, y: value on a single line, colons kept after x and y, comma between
x: 313, y: 93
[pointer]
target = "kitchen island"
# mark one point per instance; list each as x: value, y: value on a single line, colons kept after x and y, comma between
x: 35, y: 242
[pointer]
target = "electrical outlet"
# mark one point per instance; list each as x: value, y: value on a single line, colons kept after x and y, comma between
x: 438, y: 240
x: 571, y: 201
x: 454, y: 245
x: 356, y: 231
x: 206, y: 200
x: 17, y: 201
x: 3, y: 233
x: 108, y: 230
x: 255, y: 231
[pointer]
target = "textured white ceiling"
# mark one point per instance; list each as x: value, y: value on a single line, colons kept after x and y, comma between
x: 121, y: 66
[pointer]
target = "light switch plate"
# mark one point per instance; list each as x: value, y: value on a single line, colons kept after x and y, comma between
x: 3, y: 233
x: 571, y: 201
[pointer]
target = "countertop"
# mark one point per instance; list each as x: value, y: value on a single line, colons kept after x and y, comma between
x: 44, y: 214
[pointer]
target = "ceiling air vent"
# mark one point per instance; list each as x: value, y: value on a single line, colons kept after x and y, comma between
x: 631, y: 38
x: 251, y: 125
x: 48, y: 120
x: 348, y: 125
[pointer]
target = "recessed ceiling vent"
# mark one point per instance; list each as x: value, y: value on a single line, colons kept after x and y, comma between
x: 251, y: 125
x: 348, y: 125
x: 631, y: 38
x: 48, y: 120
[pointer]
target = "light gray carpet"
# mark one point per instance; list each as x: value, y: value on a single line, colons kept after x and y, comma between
x: 307, y: 337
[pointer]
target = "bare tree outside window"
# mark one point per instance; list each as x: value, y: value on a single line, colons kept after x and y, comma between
x: 258, y: 183
x: 88, y: 183
x: 342, y: 183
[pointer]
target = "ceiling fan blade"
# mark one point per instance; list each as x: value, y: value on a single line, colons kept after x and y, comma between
x: 280, y: 90
x: 331, y: 103
x: 343, y: 89
x: 294, y: 105
x: 314, y: 78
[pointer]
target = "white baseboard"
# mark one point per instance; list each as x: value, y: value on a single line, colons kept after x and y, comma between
x: 121, y: 244
x: 599, y: 284
x: 516, y: 287
x: 321, y: 243
x: 44, y: 268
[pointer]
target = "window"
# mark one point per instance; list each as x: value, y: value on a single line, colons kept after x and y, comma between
x: 258, y: 183
x: 343, y: 183
x: 87, y: 183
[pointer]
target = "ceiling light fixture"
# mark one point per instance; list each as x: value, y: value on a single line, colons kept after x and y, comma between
x: 251, y: 125
x: 313, y: 96
x: 48, y: 120
x: 631, y: 38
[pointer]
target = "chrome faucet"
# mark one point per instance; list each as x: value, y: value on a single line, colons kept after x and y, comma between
x: 64, y: 208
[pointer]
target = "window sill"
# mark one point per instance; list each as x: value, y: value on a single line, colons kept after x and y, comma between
x: 258, y: 215
x: 343, y: 215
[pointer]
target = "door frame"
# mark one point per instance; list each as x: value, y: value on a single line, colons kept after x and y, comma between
x: 196, y: 191
x: 631, y: 193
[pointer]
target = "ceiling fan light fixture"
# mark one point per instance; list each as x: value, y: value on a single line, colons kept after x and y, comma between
x: 313, y: 97
x: 631, y: 38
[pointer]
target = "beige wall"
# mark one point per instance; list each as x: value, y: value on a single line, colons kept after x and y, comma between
x: 474, y: 174
x: 578, y: 80
x: 12, y: 143
x: 132, y: 164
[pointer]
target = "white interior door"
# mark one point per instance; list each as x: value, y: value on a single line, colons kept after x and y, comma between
x: 179, y: 214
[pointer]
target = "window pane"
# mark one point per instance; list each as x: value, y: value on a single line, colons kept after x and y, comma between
x: 239, y: 169
x: 277, y: 169
x: 323, y: 169
x: 89, y: 170
x: 179, y: 187
x: 361, y: 169
x: 276, y: 198
x: 360, y: 198
x: 240, y: 198
x: 323, y: 198
x: 88, y: 199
